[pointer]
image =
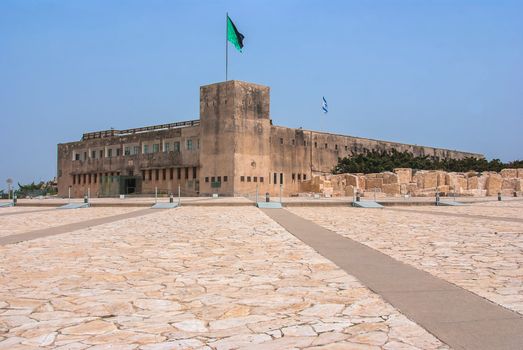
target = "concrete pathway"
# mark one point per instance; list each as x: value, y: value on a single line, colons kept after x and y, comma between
x: 458, y: 317
x: 51, y: 231
x: 25, y: 212
x: 467, y: 216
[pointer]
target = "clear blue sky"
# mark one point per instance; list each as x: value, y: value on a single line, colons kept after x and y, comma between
x: 439, y: 73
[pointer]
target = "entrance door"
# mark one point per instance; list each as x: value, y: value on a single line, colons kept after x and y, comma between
x: 130, y: 185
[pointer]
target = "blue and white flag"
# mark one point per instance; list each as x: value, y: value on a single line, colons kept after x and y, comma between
x: 324, y: 106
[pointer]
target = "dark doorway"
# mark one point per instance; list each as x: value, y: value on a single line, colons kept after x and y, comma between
x: 130, y: 185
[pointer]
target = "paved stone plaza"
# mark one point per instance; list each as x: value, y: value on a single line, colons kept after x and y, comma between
x: 231, y: 277
x: 474, y: 248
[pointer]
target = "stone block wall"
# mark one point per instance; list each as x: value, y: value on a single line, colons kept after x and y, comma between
x: 421, y: 183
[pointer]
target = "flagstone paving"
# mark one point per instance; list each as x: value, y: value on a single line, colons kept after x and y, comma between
x: 505, y: 209
x: 190, y: 278
x: 481, y: 255
x: 20, y: 223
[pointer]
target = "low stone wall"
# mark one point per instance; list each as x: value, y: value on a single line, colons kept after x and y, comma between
x: 421, y: 183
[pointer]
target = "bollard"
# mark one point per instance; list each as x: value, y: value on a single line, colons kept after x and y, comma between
x: 267, y: 197
x: 14, y: 200
x: 86, y: 200
x: 357, y: 196
x: 437, y: 198
x: 499, y: 196
x: 171, y: 198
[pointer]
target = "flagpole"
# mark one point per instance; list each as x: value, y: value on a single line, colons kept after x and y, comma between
x: 226, y: 45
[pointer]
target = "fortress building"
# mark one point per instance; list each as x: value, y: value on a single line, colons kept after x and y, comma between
x: 231, y: 150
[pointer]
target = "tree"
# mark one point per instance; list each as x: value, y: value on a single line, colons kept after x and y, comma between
x: 379, y: 161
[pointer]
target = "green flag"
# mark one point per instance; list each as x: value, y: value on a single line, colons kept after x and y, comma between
x: 233, y: 35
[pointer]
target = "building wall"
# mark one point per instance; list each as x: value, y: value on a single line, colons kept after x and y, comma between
x: 86, y: 172
x: 217, y: 139
x: 298, y: 154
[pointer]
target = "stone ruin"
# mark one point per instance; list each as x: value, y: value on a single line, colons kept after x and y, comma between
x: 420, y: 183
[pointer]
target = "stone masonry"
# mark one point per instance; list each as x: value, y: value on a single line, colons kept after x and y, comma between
x: 233, y: 149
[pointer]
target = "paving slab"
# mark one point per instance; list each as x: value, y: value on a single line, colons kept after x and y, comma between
x: 437, y: 305
x: 204, y: 278
x: 459, y: 215
x: 26, y: 236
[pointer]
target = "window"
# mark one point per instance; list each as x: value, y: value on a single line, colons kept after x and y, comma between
x: 157, y: 174
x: 77, y: 156
x: 186, y: 173
x: 156, y: 148
x: 275, y: 178
x: 212, y: 179
x: 93, y: 154
x: 248, y: 179
x: 255, y: 179
x: 118, y: 152
x: 336, y: 147
x: 293, y: 177
x: 145, y: 149
x: 136, y: 150
x: 261, y: 178
x: 166, y: 146
x: 150, y: 174
x: 85, y: 178
x: 305, y: 143
x: 109, y: 152
x: 225, y: 179
x: 206, y: 179
x: 177, y: 146
x: 281, y: 178
x: 171, y: 173
x: 326, y: 146
x: 179, y: 173
x: 94, y: 178
x: 315, y: 144
x: 189, y: 144
x: 293, y: 142
x: 164, y: 174
x: 304, y: 177
x: 242, y: 178
x: 194, y: 171
x: 281, y: 141
x: 127, y: 151
x: 101, y: 153
x: 143, y: 175
x: 219, y: 179
x: 89, y: 178
x: 346, y: 148
x: 74, y: 179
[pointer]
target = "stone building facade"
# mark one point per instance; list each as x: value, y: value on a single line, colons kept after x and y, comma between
x: 233, y: 149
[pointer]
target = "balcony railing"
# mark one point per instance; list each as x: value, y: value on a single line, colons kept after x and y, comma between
x: 114, y: 132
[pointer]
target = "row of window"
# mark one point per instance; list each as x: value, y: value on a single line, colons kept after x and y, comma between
x: 326, y: 145
x: 84, y: 179
x: 169, y: 173
x: 249, y: 178
x: 299, y: 177
x: 133, y: 150
x: 216, y: 179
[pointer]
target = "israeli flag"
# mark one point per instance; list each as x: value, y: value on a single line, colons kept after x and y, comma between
x: 324, y: 106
